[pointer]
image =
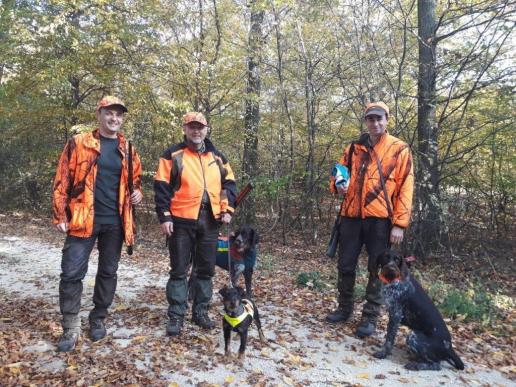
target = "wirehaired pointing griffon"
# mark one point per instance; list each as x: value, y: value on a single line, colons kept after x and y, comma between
x: 409, y: 305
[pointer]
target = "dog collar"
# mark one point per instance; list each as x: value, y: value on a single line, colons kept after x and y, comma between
x: 386, y: 281
x: 235, y: 321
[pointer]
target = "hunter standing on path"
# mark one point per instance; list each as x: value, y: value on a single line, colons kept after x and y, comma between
x: 91, y: 202
x: 375, y: 211
x: 194, y: 191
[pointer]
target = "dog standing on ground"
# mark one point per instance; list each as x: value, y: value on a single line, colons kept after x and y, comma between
x: 242, y: 246
x: 409, y: 305
x: 243, y: 251
x: 239, y: 314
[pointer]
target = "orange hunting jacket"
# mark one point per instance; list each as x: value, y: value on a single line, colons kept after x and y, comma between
x: 74, y: 185
x: 365, y: 196
x: 181, y: 179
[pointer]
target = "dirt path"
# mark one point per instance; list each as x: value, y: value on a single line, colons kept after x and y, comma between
x: 301, y: 350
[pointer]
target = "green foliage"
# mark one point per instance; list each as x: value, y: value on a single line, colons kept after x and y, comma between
x: 311, y: 279
x: 267, y: 262
x: 474, y: 304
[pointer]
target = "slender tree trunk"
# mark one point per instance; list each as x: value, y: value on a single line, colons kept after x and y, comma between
x: 428, y: 226
x: 309, y: 181
x: 252, y: 105
x: 286, y: 170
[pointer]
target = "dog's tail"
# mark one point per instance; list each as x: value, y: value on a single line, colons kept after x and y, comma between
x: 454, y: 360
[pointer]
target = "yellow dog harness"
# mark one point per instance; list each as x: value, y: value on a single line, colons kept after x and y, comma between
x: 248, y: 311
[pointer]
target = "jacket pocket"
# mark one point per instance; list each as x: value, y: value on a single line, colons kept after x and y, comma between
x: 79, y: 214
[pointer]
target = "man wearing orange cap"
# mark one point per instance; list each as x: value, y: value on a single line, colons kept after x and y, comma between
x: 194, y: 191
x: 92, y: 202
x: 375, y: 210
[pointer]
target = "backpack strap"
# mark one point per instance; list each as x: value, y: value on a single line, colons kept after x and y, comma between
x: 350, y: 157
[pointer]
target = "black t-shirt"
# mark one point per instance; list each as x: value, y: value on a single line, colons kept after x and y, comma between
x: 109, y: 168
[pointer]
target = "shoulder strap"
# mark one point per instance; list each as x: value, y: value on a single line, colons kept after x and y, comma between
x: 350, y: 157
x: 382, y: 182
x: 130, y: 167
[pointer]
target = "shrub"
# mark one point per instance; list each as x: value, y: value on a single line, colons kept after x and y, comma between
x: 310, y: 279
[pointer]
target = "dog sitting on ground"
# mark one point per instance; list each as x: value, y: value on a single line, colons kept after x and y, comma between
x: 409, y: 305
x: 239, y: 314
x: 242, y: 247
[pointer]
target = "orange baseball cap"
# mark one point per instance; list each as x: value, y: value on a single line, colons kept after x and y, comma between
x: 110, y: 100
x: 377, y: 108
x: 194, y: 117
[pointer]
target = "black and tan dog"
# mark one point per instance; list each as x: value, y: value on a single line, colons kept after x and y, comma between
x: 242, y: 247
x: 239, y: 314
x: 409, y: 305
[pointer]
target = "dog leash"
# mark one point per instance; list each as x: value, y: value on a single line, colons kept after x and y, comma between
x: 228, y: 230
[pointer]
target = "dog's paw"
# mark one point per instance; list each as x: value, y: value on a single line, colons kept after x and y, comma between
x: 381, y: 354
x: 241, y: 358
x: 412, y: 366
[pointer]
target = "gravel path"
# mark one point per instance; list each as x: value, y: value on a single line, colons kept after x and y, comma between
x: 299, y: 352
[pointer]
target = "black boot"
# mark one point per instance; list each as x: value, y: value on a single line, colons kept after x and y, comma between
x: 203, y: 320
x: 345, y: 286
x: 341, y: 314
x: 366, y: 327
x: 174, y: 326
x: 68, y: 339
x: 203, y: 293
x: 97, y: 329
x: 71, y: 333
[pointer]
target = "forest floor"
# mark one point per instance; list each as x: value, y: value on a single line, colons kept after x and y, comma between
x: 301, y: 349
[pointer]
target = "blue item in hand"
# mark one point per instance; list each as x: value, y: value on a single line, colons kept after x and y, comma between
x: 341, y: 175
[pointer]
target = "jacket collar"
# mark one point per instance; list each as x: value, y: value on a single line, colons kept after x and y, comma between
x: 92, y: 140
x: 365, y: 140
x: 208, y: 145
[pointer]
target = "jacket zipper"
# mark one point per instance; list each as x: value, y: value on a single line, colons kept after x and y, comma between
x: 203, y: 177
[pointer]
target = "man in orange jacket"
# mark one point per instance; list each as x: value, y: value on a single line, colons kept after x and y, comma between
x: 194, y: 190
x: 375, y: 211
x: 92, y: 202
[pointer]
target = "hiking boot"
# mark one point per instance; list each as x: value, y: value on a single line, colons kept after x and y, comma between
x: 203, y: 320
x: 339, y: 315
x: 174, y: 326
x: 97, y: 329
x: 366, y: 328
x: 68, y: 339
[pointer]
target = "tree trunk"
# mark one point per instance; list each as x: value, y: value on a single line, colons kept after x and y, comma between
x: 428, y: 203
x: 252, y: 105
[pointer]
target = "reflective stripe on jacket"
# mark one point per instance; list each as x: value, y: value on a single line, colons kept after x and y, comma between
x: 182, y: 177
x: 365, y: 196
x: 74, y: 185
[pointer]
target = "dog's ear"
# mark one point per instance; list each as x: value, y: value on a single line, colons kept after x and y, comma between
x: 223, y: 291
x: 404, y: 269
